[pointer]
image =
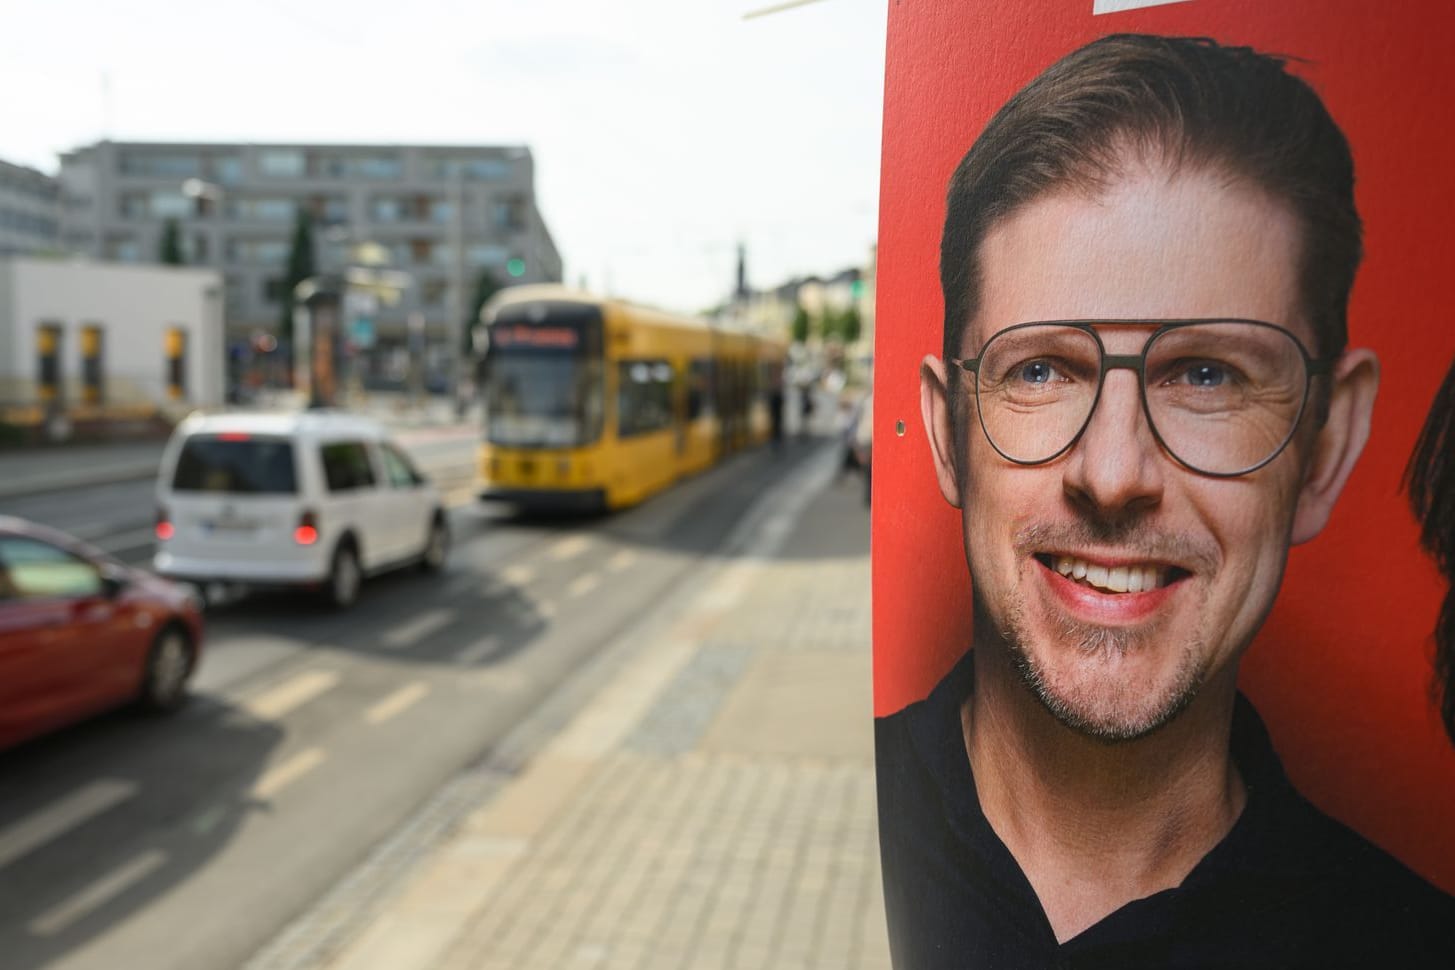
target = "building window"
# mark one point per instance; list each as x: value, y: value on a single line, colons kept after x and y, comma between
x: 473, y: 169
x: 160, y: 165
x: 122, y: 249
x: 387, y: 208
x: 257, y: 252
x: 486, y: 254
x: 433, y: 292
x: 374, y: 167
x: 273, y: 209
x: 281, y: 163
x: 509, y: 214
x: 227, y: 169
x: 170, y: 205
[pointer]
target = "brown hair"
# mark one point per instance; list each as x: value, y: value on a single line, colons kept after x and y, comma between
x: 1431, y: 480
x: 1188, y: 101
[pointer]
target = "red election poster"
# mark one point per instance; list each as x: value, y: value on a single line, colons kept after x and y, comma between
x: 1341, y: 670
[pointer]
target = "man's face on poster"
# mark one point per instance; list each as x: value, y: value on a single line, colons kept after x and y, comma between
x: 1107, y: 656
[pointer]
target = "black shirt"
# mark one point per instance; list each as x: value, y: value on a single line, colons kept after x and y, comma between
x: 1286, y: 887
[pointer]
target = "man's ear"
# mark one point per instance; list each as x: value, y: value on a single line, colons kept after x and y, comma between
x: 1338, y: 444
x: 934, y: 406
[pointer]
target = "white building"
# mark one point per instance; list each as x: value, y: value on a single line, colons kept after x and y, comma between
x: 109, y: 336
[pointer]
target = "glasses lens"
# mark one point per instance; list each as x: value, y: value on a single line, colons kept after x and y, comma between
x: 1225, y: 397
x: 1035, y: 387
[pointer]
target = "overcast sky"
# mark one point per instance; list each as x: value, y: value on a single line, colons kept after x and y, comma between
x: 664, y: 131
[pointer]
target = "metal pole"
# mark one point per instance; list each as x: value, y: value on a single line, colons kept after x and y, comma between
x: 456, y: 303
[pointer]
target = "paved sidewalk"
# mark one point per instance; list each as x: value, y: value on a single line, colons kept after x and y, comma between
x: 710, y: 804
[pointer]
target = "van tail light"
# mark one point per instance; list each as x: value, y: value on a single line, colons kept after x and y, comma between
x: 165, y: 529
x: 306, y: 534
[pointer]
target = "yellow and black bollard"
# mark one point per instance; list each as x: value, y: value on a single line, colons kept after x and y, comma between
x: 176, y: 348
x: 93, y: 366
x: 49, y: 391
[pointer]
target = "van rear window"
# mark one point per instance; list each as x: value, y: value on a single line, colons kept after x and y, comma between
x: 222, y: 463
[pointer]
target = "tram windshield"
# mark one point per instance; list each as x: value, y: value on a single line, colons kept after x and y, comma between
x: 535, y: 399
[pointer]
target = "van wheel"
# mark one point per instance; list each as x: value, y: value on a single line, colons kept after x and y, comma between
x: 169, y: 664
x: 436, y: 547
x: 344, y: 578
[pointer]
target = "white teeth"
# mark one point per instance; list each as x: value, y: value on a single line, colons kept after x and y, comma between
x: 1119, y: 579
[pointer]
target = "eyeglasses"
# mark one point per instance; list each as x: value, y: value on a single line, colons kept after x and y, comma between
x: 1222, y: 397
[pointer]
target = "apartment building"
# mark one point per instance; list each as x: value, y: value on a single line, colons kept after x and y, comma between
x: 437, y: 214
x: 29, y: 211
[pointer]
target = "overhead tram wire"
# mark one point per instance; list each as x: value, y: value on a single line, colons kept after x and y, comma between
x: 778, y: 8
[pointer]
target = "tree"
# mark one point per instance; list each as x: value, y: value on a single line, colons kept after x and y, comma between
x: 301, y: 265
x: 170, y: 251
x: 486, y: 286
x: 851, y: 326
x: 799, y: 330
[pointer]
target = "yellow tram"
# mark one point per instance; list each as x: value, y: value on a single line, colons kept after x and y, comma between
x: 594, y: 403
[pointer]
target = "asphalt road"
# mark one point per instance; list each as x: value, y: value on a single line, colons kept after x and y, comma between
x: 189, y: 841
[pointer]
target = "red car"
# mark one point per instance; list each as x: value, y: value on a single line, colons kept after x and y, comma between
x: 81, y: 633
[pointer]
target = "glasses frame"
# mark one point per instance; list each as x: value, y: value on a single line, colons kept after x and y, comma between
x: 1313, y: 367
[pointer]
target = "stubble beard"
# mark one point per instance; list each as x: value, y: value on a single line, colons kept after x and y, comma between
x: 1105, y: 710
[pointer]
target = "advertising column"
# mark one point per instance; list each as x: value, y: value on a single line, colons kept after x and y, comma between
x: 1145, y: 573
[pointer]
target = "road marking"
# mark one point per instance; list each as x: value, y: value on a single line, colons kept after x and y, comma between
x: 545, y: 609
x: 518, y: 575
x: 291, y: 694
x: 460, y: 498
x: 397, y: 703
x: 283, y: 774
x: 98, y: 894
x: 569, y: 547
x: 21, y: 837
x: 477, y: 651
x: 412, y: 631
x: 1114, y: 6
x: 621, y: 560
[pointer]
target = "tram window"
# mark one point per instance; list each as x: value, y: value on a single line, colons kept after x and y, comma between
x: 699, y: 388
x: 644, y: 396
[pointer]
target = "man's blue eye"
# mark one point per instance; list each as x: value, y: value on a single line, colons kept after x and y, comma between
x: 1206, y: 375
x: 1036, y: 372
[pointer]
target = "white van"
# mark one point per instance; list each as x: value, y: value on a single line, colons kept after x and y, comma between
x: 311, y: 498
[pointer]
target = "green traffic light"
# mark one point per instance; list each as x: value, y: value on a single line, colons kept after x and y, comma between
x: 516, y: 267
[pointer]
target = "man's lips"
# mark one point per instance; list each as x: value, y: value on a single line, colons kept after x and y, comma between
x: 1118, y: 576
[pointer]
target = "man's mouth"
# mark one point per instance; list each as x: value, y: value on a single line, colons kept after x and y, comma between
x: 1126, y: 578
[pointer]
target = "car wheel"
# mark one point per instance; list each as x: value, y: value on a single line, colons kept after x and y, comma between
x: 344, y: 578
x: 436, y: 547
x: 169, y: 665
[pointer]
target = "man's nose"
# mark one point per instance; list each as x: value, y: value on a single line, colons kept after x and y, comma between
x: 1116, y: 467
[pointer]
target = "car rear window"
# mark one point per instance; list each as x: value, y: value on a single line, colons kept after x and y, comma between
x: 236, y: 464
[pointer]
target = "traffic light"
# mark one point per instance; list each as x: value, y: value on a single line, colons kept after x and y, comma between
x: 516, y: 267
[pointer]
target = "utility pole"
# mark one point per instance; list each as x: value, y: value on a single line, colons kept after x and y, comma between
x: 455, y: 305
